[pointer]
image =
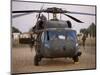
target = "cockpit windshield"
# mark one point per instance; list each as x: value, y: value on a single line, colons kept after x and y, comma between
x: 52, y: 35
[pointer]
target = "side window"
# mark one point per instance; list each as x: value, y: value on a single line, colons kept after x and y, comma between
x: 42, y: 37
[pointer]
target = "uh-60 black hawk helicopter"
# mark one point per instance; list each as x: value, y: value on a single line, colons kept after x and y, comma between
x: 55, y: 37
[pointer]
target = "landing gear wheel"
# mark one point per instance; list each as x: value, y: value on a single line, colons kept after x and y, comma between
x: 76, y: 59
x: 36, y: 60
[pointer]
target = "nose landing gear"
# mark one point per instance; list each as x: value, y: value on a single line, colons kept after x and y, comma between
x: 37, y: 59
x: 76, y: 58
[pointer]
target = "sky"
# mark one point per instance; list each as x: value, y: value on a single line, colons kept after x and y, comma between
x: 24, y: 23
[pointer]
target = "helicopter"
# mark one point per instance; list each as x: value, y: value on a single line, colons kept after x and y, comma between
x: 55, y: 37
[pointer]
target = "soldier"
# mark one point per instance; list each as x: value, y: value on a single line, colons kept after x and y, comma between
x: 42, y: 22
x: 43, y: 18
x: 83, y: 40
x: 32, y: 41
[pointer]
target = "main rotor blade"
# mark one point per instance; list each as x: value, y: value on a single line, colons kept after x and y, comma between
x: 19, y: 15
x: 28, y: 11
x: 81, y: 13
x: 40, y: 12
x: 77, y: 20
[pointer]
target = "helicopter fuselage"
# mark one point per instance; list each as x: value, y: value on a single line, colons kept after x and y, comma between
x: 57, y: 40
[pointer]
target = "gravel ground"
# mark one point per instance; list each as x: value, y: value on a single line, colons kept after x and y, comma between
x: 22, y: 61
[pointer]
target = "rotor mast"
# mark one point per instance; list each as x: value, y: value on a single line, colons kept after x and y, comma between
x: 54, y: 16
x: 55, y: 11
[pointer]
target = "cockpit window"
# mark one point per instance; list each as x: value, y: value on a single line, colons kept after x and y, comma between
x: 69, y: 35
x: 56, y: 34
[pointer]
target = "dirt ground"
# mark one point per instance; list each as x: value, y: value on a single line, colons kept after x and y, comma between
x: 22, y: 61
